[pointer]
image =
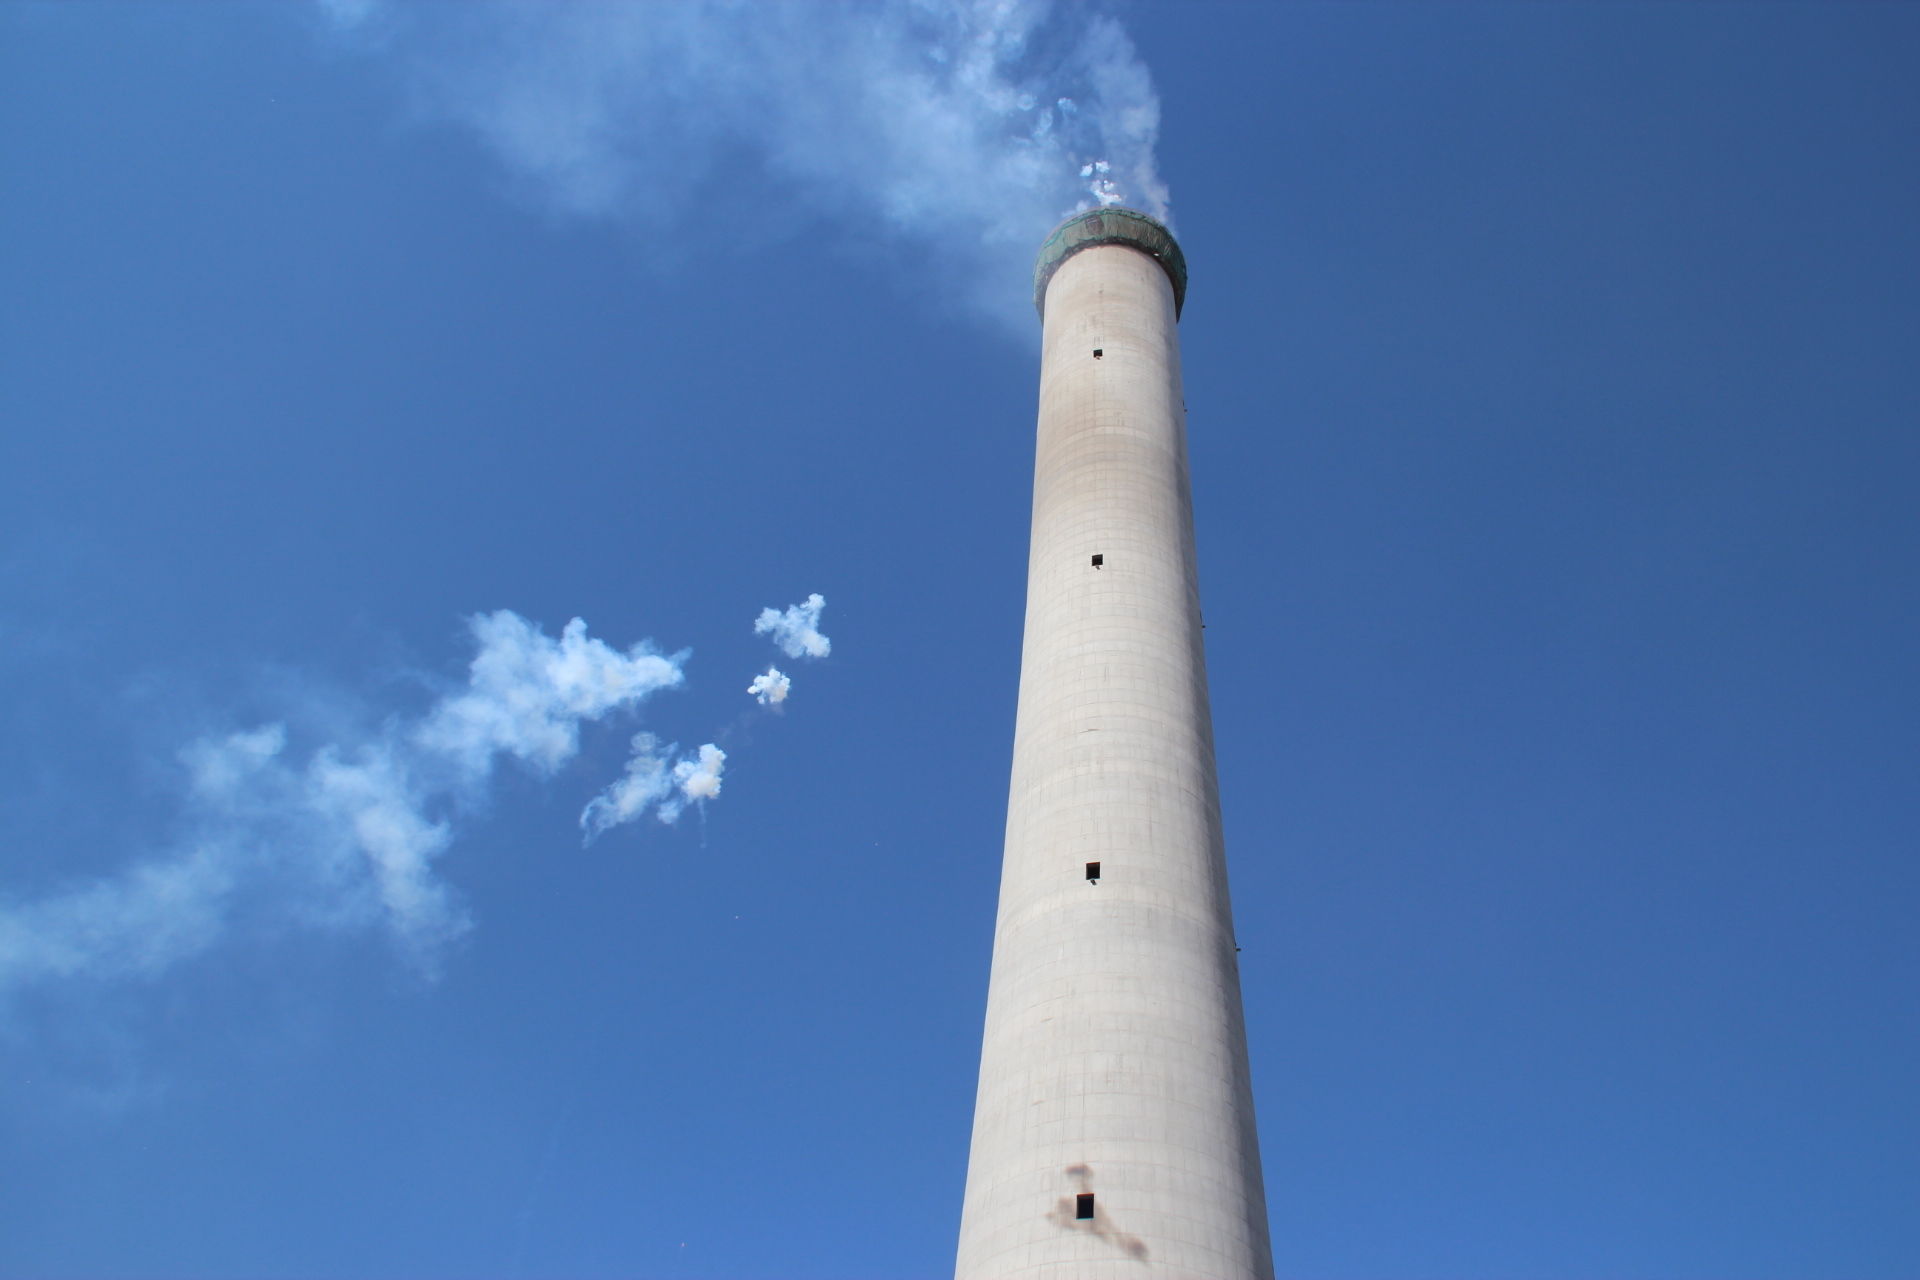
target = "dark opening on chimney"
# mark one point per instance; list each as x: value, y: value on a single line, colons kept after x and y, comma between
x: 1098, y: 352
x: 1098, y: 559
x: 1093, y: 872
x: 1083, y: 1206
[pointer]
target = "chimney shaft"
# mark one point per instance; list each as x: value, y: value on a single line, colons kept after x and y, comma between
x: 1114, y: 1122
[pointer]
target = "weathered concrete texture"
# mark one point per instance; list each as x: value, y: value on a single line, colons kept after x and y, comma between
x: 1115, y: 1058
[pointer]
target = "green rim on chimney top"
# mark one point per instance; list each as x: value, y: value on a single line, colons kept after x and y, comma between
x: 1110, y: 226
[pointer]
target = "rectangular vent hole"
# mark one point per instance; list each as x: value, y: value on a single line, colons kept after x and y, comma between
x: 1098, y: 559
x: 1093, y: 872
x: 1083, y: 1206
x: 1098, y: 352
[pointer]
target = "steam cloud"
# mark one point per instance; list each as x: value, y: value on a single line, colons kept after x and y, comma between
x: 344, y: 835
x: 963, y: 127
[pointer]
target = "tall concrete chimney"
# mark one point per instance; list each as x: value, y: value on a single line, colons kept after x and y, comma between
x: 1113, y: 1134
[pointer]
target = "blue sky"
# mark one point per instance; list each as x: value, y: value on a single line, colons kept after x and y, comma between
x: 1553, y: 390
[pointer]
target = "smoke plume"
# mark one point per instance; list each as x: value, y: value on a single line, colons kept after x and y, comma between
x: 344, y: 834
x: 963, y: 128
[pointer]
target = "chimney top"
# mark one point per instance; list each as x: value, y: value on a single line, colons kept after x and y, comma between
x: 1110, y: 225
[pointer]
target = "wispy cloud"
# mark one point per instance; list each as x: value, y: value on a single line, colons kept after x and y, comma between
x: 962, y: 127
x: 341, y: 834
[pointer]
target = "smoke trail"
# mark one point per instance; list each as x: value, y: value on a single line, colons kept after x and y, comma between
x: 962, y: 127
x: 345, y: 834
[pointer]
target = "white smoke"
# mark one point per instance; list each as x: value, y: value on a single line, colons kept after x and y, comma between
x: 654, y: 781
x: 770, y: 688
x: 959, y: 126
x: 796, y: 629
x: 1100, y: 185
x: 527, y: 694
x: 345, y: 834
x: 700, y: 779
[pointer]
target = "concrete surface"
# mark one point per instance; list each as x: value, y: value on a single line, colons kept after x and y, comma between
x: 1114, y: 1060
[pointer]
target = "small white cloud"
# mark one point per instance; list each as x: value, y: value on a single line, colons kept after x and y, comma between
x: 700, y: 779
x: 796, y: 629
x: 770, y: 688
